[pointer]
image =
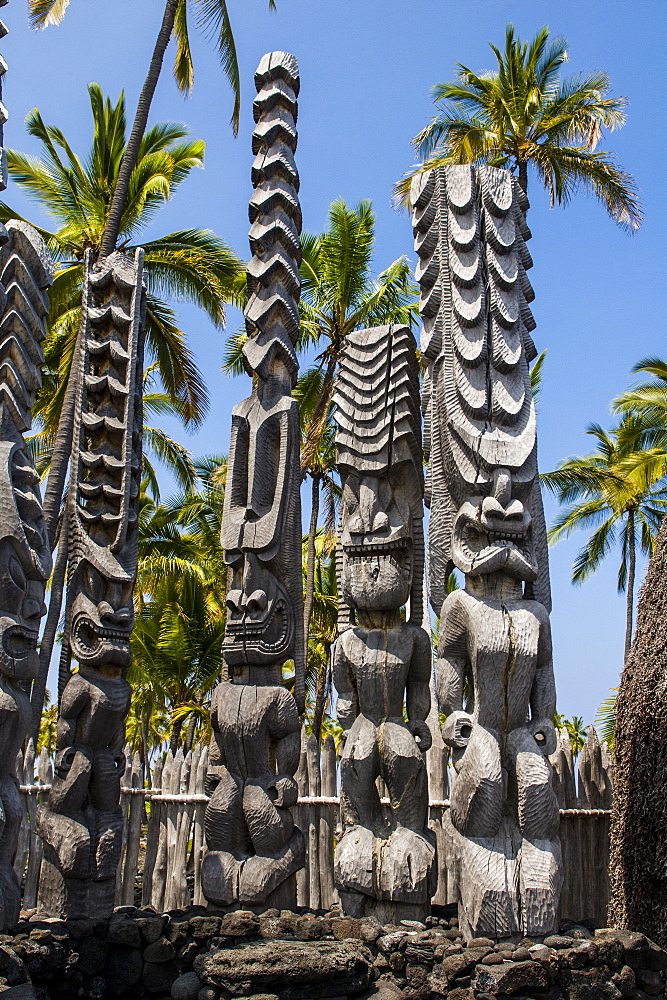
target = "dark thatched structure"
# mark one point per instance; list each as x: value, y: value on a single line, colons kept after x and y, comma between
x: 638, y: 867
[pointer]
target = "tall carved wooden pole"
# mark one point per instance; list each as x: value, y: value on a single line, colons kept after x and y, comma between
x: 380, y: 663
x: 25, y: 554
x: 254, y: 849
x: 81, y: 824
x: 26, y: 272
x: 494, y: 655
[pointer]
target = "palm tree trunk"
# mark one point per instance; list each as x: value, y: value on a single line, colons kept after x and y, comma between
x: 175, y: 735
x: 523, y: 176
x: 631, y: 582
x: 131, y: 153
x: 320, y: 699
x: 62, y: 449
x: 144, y: 740
x: 189, y: 733
x: 50, y: 630
x: 310, y: 560
x: 319, y: 417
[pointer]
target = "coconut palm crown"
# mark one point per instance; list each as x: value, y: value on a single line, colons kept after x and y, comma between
x: 191, y: 265
x: 524, y: 114
x: 620, y: 491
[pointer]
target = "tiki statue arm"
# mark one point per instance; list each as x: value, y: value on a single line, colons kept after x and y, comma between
x: 453, y: 659
x: 543, y: 694
x: 347, y: 705
x: 418, y: 693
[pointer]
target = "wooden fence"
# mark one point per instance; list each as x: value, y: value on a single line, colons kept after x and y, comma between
x: 163, y: 833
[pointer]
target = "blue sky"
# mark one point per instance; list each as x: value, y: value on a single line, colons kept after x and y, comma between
x: 367, y: 67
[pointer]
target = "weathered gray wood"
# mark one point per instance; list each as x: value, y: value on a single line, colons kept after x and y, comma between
x: 24, y: 771
x: 198, y: 841
x: 152, y: 838
x: 25, y: 557
x: 83, y: 822
x: 254, y: 850
x: 326, y: 846
x: 170, y: 778
x: 299, y: 813
x: 503, y: 857
x: 313, y: 844
x: 133, y: 832
x: 385, y: 861
x: 594, y: 780
x: 181, y: 895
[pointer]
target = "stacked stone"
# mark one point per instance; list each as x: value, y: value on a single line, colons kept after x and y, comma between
x: 283, y: 955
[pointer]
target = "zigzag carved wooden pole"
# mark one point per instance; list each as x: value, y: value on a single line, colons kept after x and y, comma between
x: 254, y: 849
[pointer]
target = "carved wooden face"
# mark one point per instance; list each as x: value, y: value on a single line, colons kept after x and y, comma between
x: 489, y: 537
x: 376, y: 541
x: 257, y: 531
x: 102, y: 619
x: 25, y: 563
x: 260, y: 617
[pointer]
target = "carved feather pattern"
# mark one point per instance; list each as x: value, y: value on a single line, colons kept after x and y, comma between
x: 377, y: 413
x: 470, y: 238
x: 106, y: 454
x: 26, y: 272
x: 274, y: 285
x: 377, y: 401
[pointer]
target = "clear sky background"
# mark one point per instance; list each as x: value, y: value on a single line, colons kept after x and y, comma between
x: 367, y: 67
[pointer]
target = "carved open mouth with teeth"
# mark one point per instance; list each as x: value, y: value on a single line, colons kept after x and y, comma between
x: 488, y: 538
x: 377, y: 576
x: 19, y: 642
x: 248, y: 640
x: 368, y: 548
x: 91, y: 641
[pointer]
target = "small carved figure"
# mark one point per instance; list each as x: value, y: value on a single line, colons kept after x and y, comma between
x: 384, y: 864
x: 81, y: 824
x: 254, y: 849
x: 495, y: 674
x: 25, y: 557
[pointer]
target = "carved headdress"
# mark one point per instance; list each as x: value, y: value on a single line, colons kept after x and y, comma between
x: 261, y: 525
x: 480, y: 439
x: 379, y: 456
x: 25, y: 556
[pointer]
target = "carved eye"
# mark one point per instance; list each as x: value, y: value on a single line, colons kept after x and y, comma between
x: 16, y: 573
x: 93, y: 583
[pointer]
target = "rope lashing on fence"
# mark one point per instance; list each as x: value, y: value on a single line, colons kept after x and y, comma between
x: 153, y: 794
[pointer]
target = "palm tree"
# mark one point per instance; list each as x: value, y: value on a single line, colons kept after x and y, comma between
x: 193, y: 265
x: 524, y: 114
x: 323, y: 626
x: 338, y: 295
x: 180, y: 601
x: 649, y: 400
x: 213, y: 18
x: 620, y: 491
